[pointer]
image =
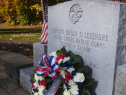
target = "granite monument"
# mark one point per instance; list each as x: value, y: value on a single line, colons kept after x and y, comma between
x: 94, y: 30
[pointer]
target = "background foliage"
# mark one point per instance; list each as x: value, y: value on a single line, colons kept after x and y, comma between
x: 23, y: 11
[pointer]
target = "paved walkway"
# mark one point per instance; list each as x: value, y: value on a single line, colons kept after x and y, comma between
x: 7, y: 87
x: 10, y: 64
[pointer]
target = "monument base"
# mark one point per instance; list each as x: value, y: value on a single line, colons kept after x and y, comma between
x: 25, y: 76
x: 120, y: 84
x: 38, y: 49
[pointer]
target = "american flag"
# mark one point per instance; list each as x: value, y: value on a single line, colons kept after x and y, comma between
x: 44, y: 32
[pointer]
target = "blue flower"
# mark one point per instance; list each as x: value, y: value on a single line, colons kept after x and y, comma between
x: 35, y: 90
x: 31, y: 80
x: 71, y: 77
x: 79, y: 85
x: 79, y: 91
x: 67, y: 64
x: 73, y: 73
x: 66, y: 84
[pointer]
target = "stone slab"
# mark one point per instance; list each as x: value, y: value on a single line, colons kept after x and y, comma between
x: 1, y: 89
x: 17, y: 42
x: 5, y: 55
x: 88, y: 28
x: 2, y: 72
x: 3, y: 75
x: 2, y: 68
x: 38, y: 50
x: 3, y: 82
x: 19, y: 92
x: 4, y: 93
x: 120, y: 83
x: 3, y: 52
x: 2, y: 63
x: 25, y: 76
x: 13, y: 62
x: 9, y: 86
x: 20, y: 60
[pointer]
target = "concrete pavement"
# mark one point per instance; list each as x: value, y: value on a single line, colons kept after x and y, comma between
x: 10, y: 65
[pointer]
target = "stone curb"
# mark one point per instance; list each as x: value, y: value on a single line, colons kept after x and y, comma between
x: 12, y: 63
x: 17, y: 42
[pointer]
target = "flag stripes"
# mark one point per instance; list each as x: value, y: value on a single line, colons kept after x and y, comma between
x: 44, y: 33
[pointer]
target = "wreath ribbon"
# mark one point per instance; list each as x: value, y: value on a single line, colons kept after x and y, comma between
x: 49, y: 66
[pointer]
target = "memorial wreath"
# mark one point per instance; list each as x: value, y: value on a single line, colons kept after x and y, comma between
x: 63, y: 71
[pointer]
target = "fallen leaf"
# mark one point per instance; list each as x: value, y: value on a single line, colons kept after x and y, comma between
x: 31, y: 56
x: 10, y: 39
x: 27, y: 49
x: 19, y: 86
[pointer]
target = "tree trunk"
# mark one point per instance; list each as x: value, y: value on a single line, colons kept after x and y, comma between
x: 42, y: 10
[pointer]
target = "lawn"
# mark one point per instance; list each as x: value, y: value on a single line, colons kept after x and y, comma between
x: 24, y: 33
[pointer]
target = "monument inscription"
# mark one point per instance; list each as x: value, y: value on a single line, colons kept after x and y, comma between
x: 73, y: 40
x: 88, y: 28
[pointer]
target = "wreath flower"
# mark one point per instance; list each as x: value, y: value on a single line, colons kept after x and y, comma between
x: 75, y: 76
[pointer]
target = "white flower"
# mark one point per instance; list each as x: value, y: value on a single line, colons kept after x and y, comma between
x: 37, y: 78
x: 74, y: 90
x: 71, y: 69
x: 41, y: 88
x: 40, y: 93
x: 60, y: 60
x: 53, y: 54
x: 36, y: 93
x: 62, y: 73
x: 66, y: 92
x: 64, y: 87
x: 71, y: 82
x: 66, y: 59
x: 79, y: 77
x: 36, y: 84
x: 41, y: 78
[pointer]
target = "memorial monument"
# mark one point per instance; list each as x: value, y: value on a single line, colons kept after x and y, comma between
x: 92, y: 29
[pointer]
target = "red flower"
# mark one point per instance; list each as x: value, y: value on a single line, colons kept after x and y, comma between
x: 43, y: 82
x: 61, y: 56
x: 68, y: 76
x: 32, y: 86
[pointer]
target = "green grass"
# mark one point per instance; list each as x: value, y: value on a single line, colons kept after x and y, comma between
x: 23, y: 33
